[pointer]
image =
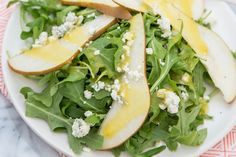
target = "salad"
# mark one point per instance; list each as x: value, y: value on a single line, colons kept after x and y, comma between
x: 124, y: 80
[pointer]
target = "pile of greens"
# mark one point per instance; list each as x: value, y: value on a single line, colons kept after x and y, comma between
x: 62, y: 99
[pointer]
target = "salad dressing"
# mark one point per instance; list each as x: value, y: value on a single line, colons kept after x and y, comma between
x: 53, y: 52
x: 121, y: 120
x: 77, y: 36
x: 179, y: 13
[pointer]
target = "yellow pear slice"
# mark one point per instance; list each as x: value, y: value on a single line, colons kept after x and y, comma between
x: 212, y: 50
x: 137, y: 5
x: 59, y: 52
x: 106, y: 6
x: 195, y: 11
x: 124, y: 119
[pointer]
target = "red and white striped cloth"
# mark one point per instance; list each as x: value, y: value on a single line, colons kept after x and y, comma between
x: 225, y: 148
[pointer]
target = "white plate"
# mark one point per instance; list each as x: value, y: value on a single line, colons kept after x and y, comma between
x: 224, y: 114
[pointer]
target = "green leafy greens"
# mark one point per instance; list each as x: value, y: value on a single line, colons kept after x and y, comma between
x: 62, y: 100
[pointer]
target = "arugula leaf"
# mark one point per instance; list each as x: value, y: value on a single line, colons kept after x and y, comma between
x: 75, y: 92
x: 53, y: 116
x: 109, y: 48
x: 75, y: 74
x: 170, y: 60
x: 71, y: 109
x: 198, y: 79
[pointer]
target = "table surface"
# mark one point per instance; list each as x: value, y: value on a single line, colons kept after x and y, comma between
x: 17, y: 139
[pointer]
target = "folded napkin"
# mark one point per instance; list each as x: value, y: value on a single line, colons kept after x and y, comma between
x: 225, y: 148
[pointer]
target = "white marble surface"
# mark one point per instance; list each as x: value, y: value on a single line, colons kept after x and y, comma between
x: 18, y: 140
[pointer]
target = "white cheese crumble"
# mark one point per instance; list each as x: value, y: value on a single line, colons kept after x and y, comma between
x: 186, y: 78
x: 70, y: 21
x: 98, y: 86
x: 184, y: 95
x: 88, y: 113
x: 86, y: 149
x: 127, y: 49
x: 164, y: 24
x: 118, y: 69
x: 149, y: 51
x: 88, y: 94
x: 80, y: 128
x: 128, y: 36
x: 114, y: 93
x: 171, y: 100
x: 71, y: 17
x: 97, y: 52
x: 42, y: 40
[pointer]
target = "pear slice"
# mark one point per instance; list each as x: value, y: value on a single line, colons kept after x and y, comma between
x: 59, y: 52
x: 195, y: 11
x: 210, y: 48
x: 106, y: 6
x: 136, y: 5
x: 124, y: 119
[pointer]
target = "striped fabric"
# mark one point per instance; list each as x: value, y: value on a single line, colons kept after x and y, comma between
x: 225, y: 148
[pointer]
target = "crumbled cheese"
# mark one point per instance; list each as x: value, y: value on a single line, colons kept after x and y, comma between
x: 118, y: 69
x: 186, y: 78
x: 91, y: 15
x: 98, y: 86
x: 118, y: 27
x: 86, y: 149
x: 171, y: 100
x: 69, y: 23
x: 97, y: 52
x: 42, y: 40
x: 80, y: 128
x: 127, y: 49
x: 115, y: 96
x: 71, y: 17
x: 149, y: 51
x: 116, y: 85
x: 164, y: 24
x: 114, y: 92
x: 123, y: 57
x: 88, y: 94
x: 88, y: 113
x: 162, y: 63
x: 128, y: 36
x: 126, y: 68
x: 184, y: 95
x: 108, y: 88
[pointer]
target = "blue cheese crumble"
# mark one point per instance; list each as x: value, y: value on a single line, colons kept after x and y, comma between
x: 170, y: 100
x: 164, y: 24
x: 80, y: 128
